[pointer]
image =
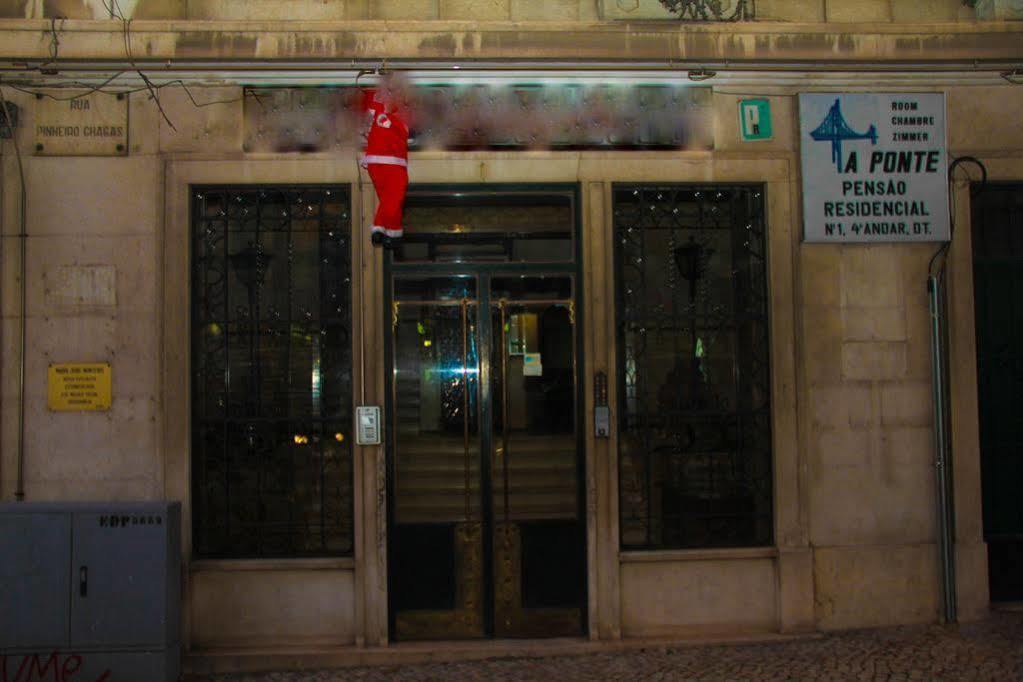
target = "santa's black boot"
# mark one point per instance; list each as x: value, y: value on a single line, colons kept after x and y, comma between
x: 378, y: 239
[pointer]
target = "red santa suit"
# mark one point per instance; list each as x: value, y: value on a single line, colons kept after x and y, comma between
x: 386, y: 159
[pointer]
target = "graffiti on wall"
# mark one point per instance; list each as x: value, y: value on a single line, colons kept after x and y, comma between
x: 54, y: 667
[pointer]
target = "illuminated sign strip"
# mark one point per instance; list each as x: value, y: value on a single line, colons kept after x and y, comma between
x: 490, y: 116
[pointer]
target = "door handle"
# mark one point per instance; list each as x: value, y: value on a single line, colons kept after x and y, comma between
x: 504, y: 448
x: 83, y: 581
x: 466, y: 462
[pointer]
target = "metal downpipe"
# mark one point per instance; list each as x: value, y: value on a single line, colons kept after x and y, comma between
x: 942, y: 462
x: 19, y: 489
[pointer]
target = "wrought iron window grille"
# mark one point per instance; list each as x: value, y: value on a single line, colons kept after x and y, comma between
x: 695, y: 465
x: 712, y: 10
x: 271, y: 372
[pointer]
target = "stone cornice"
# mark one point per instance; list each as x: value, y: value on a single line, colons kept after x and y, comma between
x: 653, y: 41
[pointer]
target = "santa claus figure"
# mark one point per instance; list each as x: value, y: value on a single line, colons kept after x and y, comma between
x: 386, y: 157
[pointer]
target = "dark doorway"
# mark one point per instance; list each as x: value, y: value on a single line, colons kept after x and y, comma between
x: 998, y: 292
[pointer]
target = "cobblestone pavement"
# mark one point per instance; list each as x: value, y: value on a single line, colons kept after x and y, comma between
x: 989, y: 650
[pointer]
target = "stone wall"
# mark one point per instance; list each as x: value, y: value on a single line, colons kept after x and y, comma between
x: 867, y: 363
x: 856, y: 485
x: 85, y: 214
x: 808, y: 11
x: 805, y: 11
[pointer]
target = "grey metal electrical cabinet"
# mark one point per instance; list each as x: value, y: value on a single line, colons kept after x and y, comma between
x: 93, y: 588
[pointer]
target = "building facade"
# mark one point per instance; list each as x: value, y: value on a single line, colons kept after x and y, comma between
x: 620, y: 396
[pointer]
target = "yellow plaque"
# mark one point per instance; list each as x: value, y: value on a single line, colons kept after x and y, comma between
x: 79, y: 386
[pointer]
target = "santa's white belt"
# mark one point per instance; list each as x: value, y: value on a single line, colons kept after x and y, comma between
x: 386, y: 160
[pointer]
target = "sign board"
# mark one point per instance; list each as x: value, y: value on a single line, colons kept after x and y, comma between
x: 472, y: 116
x: 532, y: 365
x: 875, y: 167
x: 79, y: 387
x: 90, y: 124
x: 81, y: 285
x: 755, y: 120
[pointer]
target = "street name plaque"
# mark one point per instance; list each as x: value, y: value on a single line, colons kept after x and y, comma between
x: 79, y: 123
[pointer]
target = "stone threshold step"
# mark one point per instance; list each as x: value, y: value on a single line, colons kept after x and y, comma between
x: 1012, y: 606
x: 268, y: 659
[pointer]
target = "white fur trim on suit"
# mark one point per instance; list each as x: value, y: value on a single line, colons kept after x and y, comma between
x: 385, y: 160
x: 389, y: 233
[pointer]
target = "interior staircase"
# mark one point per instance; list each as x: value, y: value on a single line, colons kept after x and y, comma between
x: 431, y: 481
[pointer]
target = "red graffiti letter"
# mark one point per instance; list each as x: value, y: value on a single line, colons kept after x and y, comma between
x: 67, y: 671
x: 24, y: 662
x: 41, y: 670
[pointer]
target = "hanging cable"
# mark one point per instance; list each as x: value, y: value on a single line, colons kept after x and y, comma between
x: 940, y: 256
x: 101, y: 88
x: 115, y: 11
x: 54, y: 41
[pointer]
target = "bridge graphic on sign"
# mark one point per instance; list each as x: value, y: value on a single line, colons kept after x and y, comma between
x: 834, y: 129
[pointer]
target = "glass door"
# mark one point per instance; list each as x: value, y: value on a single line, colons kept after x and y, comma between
x: 436, y: 575
x: 487, y: 534
x: 538, y: 529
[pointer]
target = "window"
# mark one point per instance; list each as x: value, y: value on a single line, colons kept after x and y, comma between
x: 459, y: 224
x: 271, y: 371
x: 695, y: 431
